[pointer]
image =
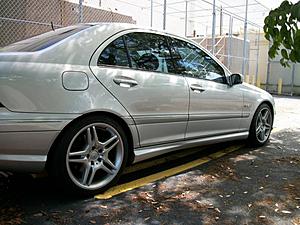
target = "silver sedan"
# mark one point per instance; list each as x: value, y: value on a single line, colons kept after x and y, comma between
x: 84, y: 101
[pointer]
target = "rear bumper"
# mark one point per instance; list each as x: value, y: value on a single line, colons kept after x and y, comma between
x: 25, y: 151
x: 26, y: 138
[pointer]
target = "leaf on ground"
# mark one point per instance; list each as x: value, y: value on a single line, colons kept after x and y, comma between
x: 218, y: 210
x: 286, y: 212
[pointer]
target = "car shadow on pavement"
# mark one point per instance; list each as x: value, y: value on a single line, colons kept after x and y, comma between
x: 248, y: 186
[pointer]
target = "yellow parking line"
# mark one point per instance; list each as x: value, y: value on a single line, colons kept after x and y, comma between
x: 164, y: 174
x: 225, y: 151
x: 151, y: 178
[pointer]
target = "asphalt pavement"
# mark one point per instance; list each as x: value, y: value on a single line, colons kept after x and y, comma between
x: 245, y: 186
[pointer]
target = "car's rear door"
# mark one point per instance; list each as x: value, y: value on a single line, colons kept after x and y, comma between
x: 215, y: 107
x: 136, y: 67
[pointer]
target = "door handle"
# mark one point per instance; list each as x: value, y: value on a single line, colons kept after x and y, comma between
x: 125, y: 81
x: 197, y: 88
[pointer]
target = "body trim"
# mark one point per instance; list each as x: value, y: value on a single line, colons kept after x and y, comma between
x: 152, y: 151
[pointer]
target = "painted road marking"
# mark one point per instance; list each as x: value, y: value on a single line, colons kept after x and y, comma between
x: 174, y: 156
x: 164, y: 174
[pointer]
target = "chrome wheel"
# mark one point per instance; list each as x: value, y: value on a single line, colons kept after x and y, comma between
x: 95, y: 156
x: 263, y: 125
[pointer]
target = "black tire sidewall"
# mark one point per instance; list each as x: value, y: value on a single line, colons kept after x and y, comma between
x: 253, y: 141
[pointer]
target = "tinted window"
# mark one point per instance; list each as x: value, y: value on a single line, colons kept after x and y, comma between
x: 193, y: 62
x: 44, y: 40
x: 149, y: 52
x: 114, y: 54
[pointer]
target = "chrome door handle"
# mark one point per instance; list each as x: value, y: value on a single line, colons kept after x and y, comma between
x: 197, y: 88
x: 125, y: 81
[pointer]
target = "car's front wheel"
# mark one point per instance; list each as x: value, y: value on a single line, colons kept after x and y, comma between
x: 261, y: 125
x: 90, y: 155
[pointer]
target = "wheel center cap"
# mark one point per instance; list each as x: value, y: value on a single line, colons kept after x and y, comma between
x: 94, y: 155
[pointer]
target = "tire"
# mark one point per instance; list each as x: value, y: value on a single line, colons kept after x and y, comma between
x: 261, y: 126
x: 90, y: 155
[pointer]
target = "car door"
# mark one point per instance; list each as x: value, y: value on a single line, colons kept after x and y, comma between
x: 136, y: 67
x: 215, y: 107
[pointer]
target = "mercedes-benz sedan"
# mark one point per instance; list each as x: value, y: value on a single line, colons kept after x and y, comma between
x: 84, y: 101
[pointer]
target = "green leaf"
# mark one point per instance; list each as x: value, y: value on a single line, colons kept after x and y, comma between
x: 293, y: 56
x: 267, y: 36
x: 297, y: 10
x: 282, y: 62
x: 284, y: 54
x: 298, y: 56
x: 272, y: 52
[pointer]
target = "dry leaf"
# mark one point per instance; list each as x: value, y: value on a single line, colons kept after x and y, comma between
x: 218, y: 210
x: 286, y: 212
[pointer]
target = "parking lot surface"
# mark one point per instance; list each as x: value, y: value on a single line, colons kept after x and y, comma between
x: 228, y: 183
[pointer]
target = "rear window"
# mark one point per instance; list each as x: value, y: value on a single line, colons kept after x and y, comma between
x: 44, y: 40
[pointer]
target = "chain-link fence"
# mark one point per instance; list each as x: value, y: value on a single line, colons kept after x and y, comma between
x: 21, y: 19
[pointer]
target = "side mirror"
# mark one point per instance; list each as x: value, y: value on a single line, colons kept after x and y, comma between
x: 236, y: 78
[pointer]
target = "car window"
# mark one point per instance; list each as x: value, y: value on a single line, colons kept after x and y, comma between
x: 114, y: 54
x: 149, y: 52
x: 45, y: 40
x: 193, y: 62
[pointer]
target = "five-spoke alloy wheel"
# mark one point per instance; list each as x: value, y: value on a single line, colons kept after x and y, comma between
x: 90, y: 155
x: 261, y: 125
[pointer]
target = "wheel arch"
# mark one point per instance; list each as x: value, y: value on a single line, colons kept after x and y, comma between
x: 117, y: 118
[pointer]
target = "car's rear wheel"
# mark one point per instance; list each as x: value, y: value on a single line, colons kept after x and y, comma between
x: 261, y: 125
x: 90, y: 155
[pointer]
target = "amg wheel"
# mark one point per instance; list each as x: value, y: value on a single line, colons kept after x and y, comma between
x: 261, y: 125
x: 90, y: 155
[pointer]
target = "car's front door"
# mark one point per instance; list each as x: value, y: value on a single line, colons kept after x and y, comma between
x: 215, y: 107
x: 137, y: 69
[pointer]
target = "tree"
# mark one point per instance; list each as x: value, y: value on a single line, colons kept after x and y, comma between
x: 281, y: 29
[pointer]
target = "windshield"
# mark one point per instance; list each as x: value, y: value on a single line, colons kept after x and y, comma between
x: 44, y: 40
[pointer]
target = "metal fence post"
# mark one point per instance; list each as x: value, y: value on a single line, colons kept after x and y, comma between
x: 151, y: 13
x: 80, y: 12
x: 186, y: 18
x: 229, y: 51
x: 245, y: 38
x: 268, y: 70
x: 165, y: 14
x: 257, y: 55
x: 213, y: 28
x: 293, y: 79
x: 221, y: 21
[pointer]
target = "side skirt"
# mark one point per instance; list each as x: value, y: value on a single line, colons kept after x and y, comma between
x: 144, y: 153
